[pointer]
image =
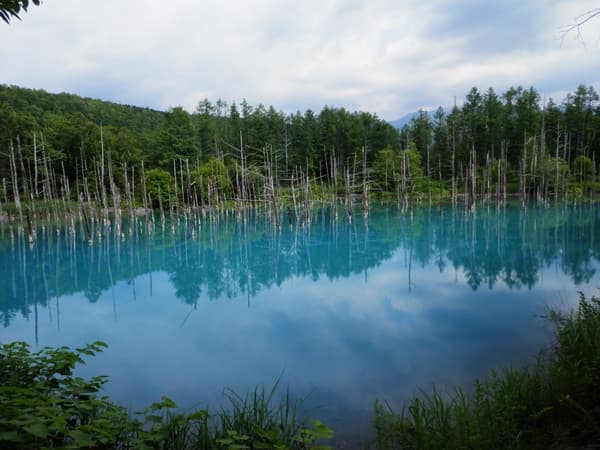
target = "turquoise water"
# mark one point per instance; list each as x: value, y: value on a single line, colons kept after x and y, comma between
x: 344, y: 311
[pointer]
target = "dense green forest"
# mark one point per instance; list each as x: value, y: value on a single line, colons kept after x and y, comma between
x: 62, y: 146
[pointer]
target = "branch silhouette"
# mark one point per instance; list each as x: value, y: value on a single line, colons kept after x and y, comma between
x: 576, y: 26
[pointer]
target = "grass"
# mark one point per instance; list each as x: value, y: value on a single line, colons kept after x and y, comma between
x: 554, y: 403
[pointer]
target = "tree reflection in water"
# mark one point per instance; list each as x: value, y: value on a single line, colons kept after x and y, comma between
x: 231, y: 255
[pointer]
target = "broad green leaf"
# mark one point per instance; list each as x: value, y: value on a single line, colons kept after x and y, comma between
x: 37, y: 429
x: 81, y: 438
x: 10, y: 436
x: 198, y: 415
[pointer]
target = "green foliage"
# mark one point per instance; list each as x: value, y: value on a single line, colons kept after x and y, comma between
x: 174, y: 139
x: 577, y: 354
x: 45, y: 406
x: 414, y: 167
x: 386, y: 169
x: 422, y: 131
x: 214, y: 178
x: 159, y: 185
x: 39, y: 104
x: 12, y: 8
x: 318, y: 191
x: 391, y: 169
x: 497, y: 415
x: 583, y: 167
x: 435, y: 146
x: 556, y: 171
x: 71, y: 138
x: 581, y: 119
x: 552, y: 404
x: 253, y: 416
x: 256, y: 420
x: 318, y: 432
x: 553, y: 165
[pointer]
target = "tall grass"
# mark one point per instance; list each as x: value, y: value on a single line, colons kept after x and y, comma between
x: 554, y: 403
x: 260, y: 414
x: 260, y: 419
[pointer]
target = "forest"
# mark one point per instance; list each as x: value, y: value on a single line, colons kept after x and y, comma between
x: 80, y: 163
x: 101, y: 156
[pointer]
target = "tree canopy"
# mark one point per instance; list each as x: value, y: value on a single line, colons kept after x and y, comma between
x: 524, y: 141
x: 11, y: 8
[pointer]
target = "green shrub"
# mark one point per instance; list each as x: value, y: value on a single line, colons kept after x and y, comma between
x: 159, y: 185
x: 43, y: 405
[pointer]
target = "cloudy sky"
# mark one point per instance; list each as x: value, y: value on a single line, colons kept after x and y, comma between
x: 389, y: 57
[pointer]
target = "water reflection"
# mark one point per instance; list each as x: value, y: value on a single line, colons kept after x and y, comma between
x: 351, y: 311
x: 225, y: 257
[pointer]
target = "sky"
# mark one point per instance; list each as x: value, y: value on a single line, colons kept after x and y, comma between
x: 389, y: 57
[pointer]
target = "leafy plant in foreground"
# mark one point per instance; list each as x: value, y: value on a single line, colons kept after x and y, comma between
x: 45, y: 406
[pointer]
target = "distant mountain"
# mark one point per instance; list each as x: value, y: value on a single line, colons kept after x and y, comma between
x: 405, y: 119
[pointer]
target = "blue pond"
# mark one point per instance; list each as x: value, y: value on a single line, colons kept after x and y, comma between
x: 346, y: 311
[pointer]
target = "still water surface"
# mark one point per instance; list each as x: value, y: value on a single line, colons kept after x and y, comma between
x: 347, y: 312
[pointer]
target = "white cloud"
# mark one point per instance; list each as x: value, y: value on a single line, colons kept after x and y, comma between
x: 384, y: 56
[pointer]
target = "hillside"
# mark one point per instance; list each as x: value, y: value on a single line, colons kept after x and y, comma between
x: 38, y: 104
